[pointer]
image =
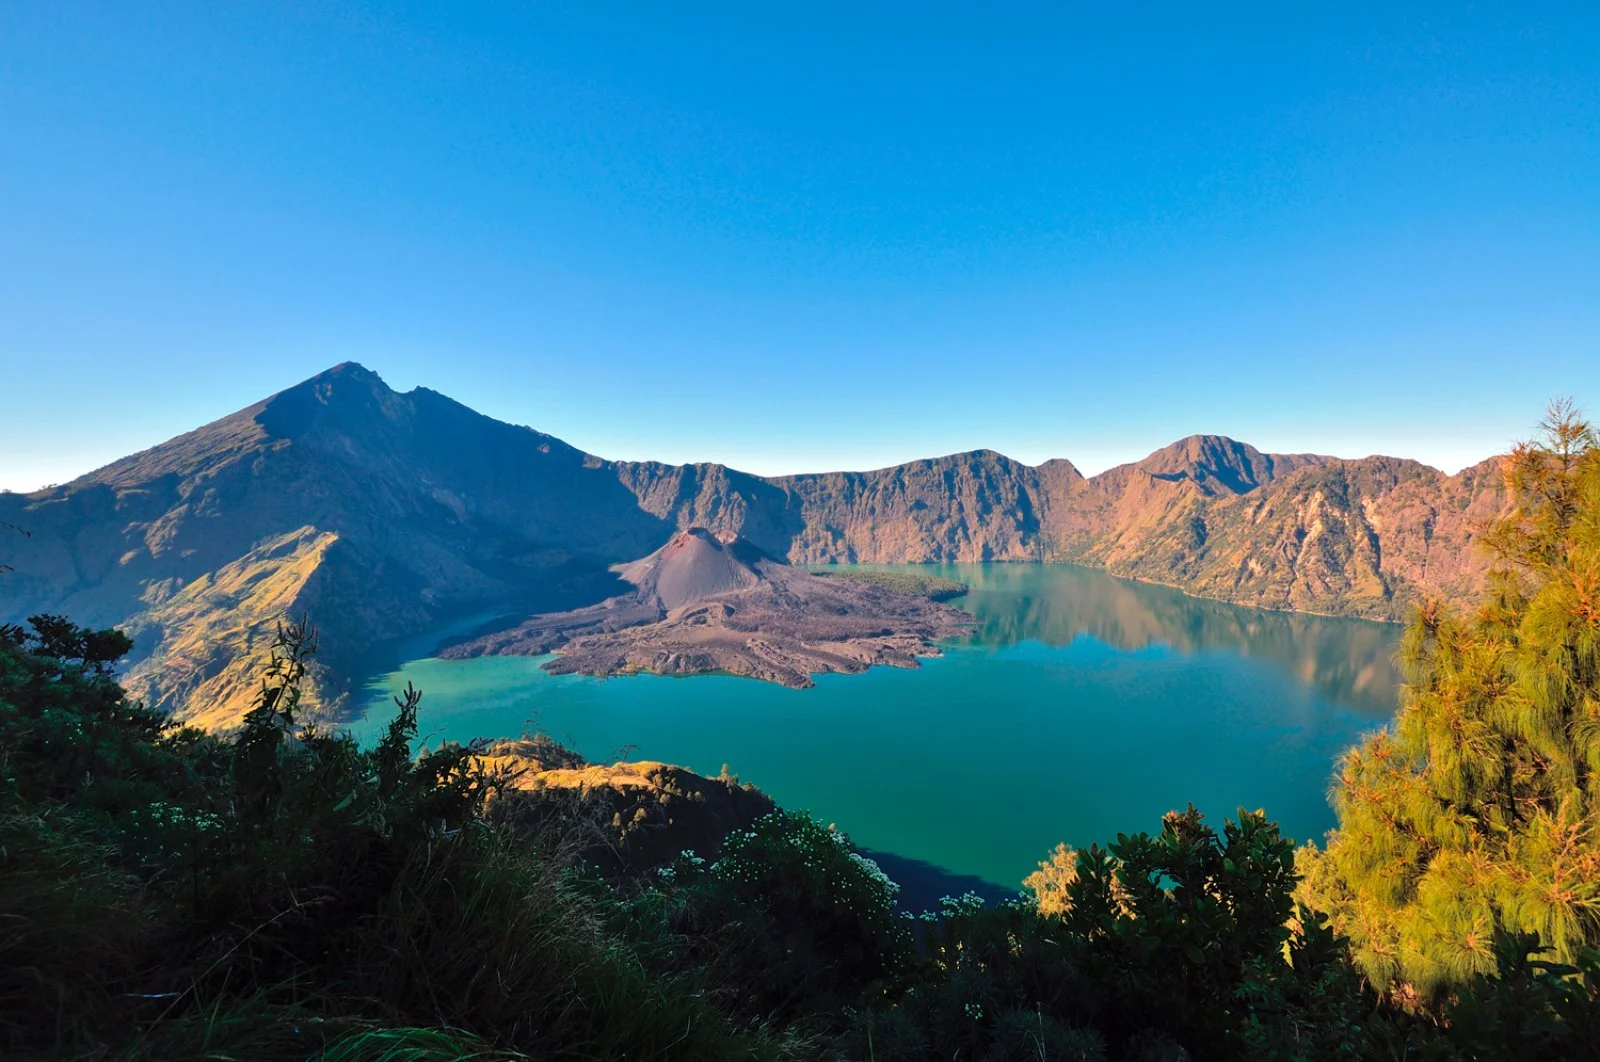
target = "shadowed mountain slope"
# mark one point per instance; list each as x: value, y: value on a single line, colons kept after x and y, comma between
x: 379, y: 513
x: 385, y: 514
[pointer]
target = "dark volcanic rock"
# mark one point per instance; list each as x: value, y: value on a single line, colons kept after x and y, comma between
x: 706, y: 602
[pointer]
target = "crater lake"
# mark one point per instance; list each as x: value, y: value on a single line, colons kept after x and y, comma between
x: 1080, y: 705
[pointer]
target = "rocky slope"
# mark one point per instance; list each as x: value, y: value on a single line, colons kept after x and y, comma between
x: 385, y: 514
x: 1357, y: 538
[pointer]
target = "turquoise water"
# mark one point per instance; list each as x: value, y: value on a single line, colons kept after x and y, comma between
x: 1080, y: 706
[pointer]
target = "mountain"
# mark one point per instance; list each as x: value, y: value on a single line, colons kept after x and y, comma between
x: 386, y: 515
x: 1358, y: 538
x: 381, y: 514
x: 694, y: 565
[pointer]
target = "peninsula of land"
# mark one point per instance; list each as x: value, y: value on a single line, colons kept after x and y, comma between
x: 712, y: 602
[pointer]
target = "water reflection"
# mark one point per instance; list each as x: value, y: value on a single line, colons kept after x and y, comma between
x: 1349, y: 661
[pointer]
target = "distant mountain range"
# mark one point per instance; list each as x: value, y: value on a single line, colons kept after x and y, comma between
x: 386, y: 515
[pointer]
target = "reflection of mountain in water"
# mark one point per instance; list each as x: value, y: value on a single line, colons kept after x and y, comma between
x: 1350, y: 661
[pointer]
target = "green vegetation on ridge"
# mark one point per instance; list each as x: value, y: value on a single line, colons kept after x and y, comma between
x: 933, y: 587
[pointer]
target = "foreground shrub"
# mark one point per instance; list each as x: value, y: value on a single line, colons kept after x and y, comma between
x: 1176, y: 923
x: 1048, y: 886
x: 1174, y: 946
x: 1000, y: 982
x: 791, y: 915
x: 74, y: 928
x: 483, y: 931
x: 1529, y: 1008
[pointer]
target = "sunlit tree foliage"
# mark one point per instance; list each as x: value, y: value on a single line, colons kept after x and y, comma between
x: 1474, y: 815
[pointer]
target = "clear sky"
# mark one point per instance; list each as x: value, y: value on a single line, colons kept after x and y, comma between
x: 805, y: 236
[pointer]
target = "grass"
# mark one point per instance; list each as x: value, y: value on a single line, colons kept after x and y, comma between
x: 933, y: 587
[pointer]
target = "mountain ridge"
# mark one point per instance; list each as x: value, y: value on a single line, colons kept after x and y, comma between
x: 384, y: 513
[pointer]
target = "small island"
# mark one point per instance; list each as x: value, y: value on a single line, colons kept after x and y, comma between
x: 708, y: 602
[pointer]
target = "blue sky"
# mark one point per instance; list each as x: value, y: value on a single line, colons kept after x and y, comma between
x: 805, y: 237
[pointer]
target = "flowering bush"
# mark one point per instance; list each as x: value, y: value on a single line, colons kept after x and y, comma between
x: 812, y: 922
x: 792, y: 862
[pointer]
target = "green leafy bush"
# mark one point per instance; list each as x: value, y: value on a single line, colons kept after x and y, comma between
x: 1175, y: 922
x: 997, y: 981
x: 1178, y: 945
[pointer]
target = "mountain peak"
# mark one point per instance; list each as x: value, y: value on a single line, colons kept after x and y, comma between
x: 349, y: 370
x: 974, y: 458
x: 694, y: 564
x: 346, y: 395
x: 1217, y: 464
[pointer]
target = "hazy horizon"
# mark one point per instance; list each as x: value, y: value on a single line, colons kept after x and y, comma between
x: 1083, y: 467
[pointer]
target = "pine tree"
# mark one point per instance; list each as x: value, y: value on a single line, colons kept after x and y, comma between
x: 1475, y: 813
